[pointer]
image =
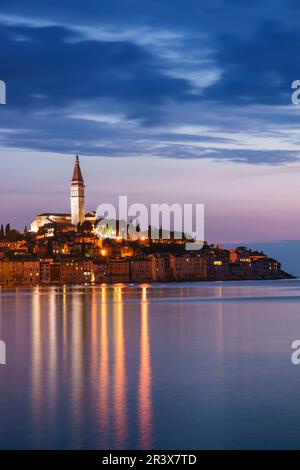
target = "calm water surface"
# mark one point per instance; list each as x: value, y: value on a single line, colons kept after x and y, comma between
x: 201, y: 365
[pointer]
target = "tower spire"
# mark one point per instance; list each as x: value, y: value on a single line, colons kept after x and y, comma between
x: 77, y: 195
x: 77, y: 175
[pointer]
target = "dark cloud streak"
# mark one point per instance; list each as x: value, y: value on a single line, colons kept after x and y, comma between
x: 55, y: 71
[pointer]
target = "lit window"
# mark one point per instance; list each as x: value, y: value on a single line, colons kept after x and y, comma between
x: 218, y: 263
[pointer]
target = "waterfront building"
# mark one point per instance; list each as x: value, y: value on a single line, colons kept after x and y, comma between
x: 218, y: 269
x: 118, y: 270
x: 100, y: 271
x: 141, y: 270
x: 49, y: 272
x: 27, y: 272
x: 266, y: 267
x: 160, y: 267
x: 19, y: 272
x: 7, y: 272
x: 188, y: 267
x: 76, y: 271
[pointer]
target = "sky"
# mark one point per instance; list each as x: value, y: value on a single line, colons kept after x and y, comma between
x: 164, y: 101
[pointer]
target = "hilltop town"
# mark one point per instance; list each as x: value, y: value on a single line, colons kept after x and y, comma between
x: 66, y: 249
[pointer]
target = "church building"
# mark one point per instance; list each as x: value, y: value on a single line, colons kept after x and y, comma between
x: 68, y: 221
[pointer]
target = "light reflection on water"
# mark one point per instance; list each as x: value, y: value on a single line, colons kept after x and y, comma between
x: 78, y: 340
x: 150, y: 366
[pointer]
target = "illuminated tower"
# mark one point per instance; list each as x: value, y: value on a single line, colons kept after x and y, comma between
x: 77, y: 195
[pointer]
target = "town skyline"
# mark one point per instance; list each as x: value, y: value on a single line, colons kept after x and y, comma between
x: 88, y: 248
x: 221, y: 226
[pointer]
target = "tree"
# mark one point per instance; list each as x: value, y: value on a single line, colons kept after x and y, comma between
x: 86, y: 226
x: 2, y: 232
x: 50, y: 227
x: 13, y: 235
x: 7, y: 229
x: 49, y: 249
x: 25, y: 230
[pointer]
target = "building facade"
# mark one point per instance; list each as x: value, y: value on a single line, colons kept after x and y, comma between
x: 188, y: 268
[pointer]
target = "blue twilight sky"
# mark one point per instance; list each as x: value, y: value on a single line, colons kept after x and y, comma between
x: 165, y: 101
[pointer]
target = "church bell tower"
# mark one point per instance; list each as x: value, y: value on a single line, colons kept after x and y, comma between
x: 77, y: 195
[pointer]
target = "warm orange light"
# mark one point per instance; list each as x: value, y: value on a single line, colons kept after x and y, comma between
x: 104, y: 372
x: 145, y: 377
x: 103, y: 252
x: 119, y: 391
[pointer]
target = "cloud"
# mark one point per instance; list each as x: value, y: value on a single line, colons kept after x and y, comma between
x: 257, y: 69
x: 54, y: 67
x: 115, y: 81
